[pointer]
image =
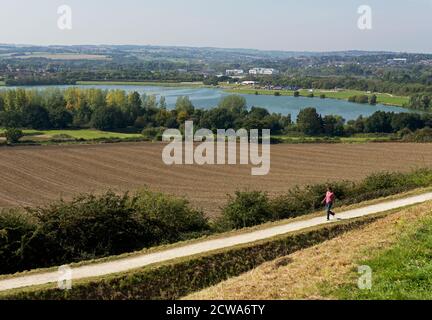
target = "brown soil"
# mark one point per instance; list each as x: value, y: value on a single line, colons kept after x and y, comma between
x: 36, y: 175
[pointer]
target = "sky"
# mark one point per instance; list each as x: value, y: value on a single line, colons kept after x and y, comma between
x: 290, y: 25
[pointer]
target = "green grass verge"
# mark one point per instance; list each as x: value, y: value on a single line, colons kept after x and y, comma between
x: 180, y: 277
x: 86, y: 134
x: 383, y: 98
x: 358, y: 138
x: 403, y: 272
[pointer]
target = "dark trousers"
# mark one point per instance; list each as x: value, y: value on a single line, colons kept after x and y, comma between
x: 329, y: 211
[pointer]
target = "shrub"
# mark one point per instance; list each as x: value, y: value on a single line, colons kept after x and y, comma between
x: 89, y: 227
x: 153, y: 133
x: 251, y: 208
x: 246, y: 209
x: 16, y: 229
x: 421, y: 135
x: 170, y: 219
x: 13, y: 135
x: 92, y: 226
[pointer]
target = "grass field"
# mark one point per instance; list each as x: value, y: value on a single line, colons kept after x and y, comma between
x: 404, y: 271
x: 397, y: 248
x: 383, y: 98
x: 142, y: 83
x: 86, y: 134
x: 39, y: 174
x: 2, y: 83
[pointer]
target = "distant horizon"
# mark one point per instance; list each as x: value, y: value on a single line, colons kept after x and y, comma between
x: 272, y: 25
x: 210, y: 47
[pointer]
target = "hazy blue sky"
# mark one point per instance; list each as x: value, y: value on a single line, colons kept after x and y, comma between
x: 312, y: 25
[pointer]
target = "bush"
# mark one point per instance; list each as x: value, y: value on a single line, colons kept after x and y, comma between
x: 13, y: 135
x: 154, y: 134
x: 171, y: 219
x: 421, y: 135
x: 93, y: 227
x: 252, y: 208
x: 359, y: 99
x: 246, y: 209
x: 16, y: 229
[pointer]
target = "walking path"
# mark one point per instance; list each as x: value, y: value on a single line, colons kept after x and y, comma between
x: 126, y: 264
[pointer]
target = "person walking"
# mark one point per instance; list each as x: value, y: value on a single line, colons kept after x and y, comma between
x: 329, y: 201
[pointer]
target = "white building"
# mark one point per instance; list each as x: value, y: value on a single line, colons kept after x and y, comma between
x: 263, y: 71
x: 234, y: 72
x: 248, y: 83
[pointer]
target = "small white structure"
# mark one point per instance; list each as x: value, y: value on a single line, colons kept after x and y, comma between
x: 248, y: 83
x: 263, y: 71
x: 234, y: 72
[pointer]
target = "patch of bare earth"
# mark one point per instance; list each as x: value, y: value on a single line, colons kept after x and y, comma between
x: 37, y: 175
x: 302, y: 274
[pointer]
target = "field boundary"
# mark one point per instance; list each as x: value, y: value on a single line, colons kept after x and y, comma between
x: 206, y: 246
x: 179, y: 277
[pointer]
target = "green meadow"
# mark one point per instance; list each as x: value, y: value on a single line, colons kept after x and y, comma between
x: 141, y: 83
x: 401, y: 272
x: 86, y: 134
x: 383, y: 98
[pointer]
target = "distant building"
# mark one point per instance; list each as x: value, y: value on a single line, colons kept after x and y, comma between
x: 248, y: 83
x: 234, y: 72
x: 397, y: 60
x: 263, y: 71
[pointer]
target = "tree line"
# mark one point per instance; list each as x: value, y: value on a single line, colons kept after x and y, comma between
x: 309, y: 122
x: 118, y: 110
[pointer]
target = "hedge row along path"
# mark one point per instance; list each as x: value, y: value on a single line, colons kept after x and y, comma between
x: 127, y: 264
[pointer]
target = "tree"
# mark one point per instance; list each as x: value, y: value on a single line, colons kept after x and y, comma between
x: 379, y: 122
x: 162, y: 103
x: 184, y: 104
x: 60, y: 118
x: 234, y: 103
x: 309, y: 122
x: 36, y: 117
x: 373, y: 100
x: 333, y: 125
x: 296, y: 94
x: 13, y: 135
x: 411, y: 121
x: 107, y: 118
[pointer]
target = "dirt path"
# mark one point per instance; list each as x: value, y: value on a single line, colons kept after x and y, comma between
x: 130, y: 263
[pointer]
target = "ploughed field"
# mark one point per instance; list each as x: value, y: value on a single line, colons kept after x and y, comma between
x: 35, y: 175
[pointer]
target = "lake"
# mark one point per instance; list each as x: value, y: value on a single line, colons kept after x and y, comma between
x: 207, y: 98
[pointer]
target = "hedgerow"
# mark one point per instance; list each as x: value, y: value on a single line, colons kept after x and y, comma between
x: 252, y: 208
x: 90, y: 227
x: 178, y: 278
